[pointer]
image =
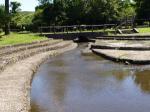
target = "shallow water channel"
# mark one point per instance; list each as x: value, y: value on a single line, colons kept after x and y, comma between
x: 73, y: 82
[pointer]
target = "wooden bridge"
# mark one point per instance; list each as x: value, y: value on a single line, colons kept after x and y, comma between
x: 76, y: 31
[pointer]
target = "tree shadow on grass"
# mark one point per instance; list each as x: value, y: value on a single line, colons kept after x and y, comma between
x: 1, y: 36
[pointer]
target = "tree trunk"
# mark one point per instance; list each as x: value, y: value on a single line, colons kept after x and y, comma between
x: 7, y: 24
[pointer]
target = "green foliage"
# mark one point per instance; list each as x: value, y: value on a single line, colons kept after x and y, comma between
x: 37, y: 20
x: 127, y: 9
x: 4, y: 18
x: 70, y: 12
x: 2, y: 15
x: 7, y: 15
x: 15, y: 7
x: 143, y: 9
x: 77, y: 12
x: 45, y: 1
x: 103, y: 11
x: 22, y: 19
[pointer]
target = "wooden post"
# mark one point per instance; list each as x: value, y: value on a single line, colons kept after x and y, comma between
x: 80, y: 28
x: 50, y: 29
x: 104, y: 28
x: 40, y: 29
x: 63, y: 29
x: 67, y: 29
x: 54, y: 29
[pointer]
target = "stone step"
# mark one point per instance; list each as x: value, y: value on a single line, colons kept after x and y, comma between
x: 7, y: 51
x: 24, y: 44
x: 143, y: 48
x: 127, y: 57
x: 14, y: 57
x: 123, y: 38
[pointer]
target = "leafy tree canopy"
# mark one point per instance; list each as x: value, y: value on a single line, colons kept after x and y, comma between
x: 15, y: 7
x: 143, y: 9
x: 82, y: 11
x: 23, y: 18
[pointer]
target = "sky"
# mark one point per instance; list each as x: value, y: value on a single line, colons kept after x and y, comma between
x: 26, y: 5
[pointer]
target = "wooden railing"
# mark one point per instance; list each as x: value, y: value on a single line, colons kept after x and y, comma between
x: 75, y: 28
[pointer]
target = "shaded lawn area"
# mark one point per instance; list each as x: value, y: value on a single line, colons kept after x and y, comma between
x: 16, y: 38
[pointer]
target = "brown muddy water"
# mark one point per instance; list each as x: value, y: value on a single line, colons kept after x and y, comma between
x: 73, y: 82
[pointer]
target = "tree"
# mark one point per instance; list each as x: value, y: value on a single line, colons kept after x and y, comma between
x: 69, y: 12
x: 75, y: 11
x: 22, y: 20
x: 7, y: 24
x: 15, y: 15
x: 42, y: 2
x: 103, y: 11
x: 50, y: 13
x: 15, y: 7
x: 2, y: 15
x: 143, y: 9
x: 127, y: 9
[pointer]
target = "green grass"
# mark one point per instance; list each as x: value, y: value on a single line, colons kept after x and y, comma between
x: 15, y: 38
x: 144, y: 30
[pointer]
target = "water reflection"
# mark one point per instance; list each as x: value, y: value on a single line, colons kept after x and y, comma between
x: 142, y: 79
x: 76, y: 83
x: 59, y: 89
x: 120, y: 75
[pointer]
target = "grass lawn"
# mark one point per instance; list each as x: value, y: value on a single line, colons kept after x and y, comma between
x: 16, y: 38
x: 144, y: 30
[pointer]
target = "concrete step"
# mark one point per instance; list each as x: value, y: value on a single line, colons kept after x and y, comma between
x: 23, y: 44
x: 14, y: 49
x: 123, y: 38
x: 135, y: 48
x: 14, y: 57
x: 127, y: 57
